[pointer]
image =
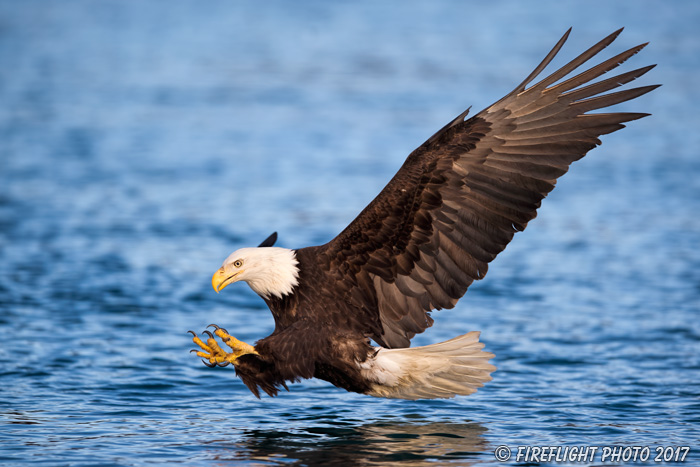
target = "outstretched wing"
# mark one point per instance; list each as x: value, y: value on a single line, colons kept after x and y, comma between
x: 459, y: 198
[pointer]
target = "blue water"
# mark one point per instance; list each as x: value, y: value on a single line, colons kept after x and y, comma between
x: 142, y: 142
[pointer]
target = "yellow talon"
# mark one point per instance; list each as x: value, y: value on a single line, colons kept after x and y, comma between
x: 214, y: 354
x: 238, y: 347
x: 199, y: 342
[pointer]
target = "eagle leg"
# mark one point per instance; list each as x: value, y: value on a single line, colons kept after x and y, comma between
x: 214, y: 355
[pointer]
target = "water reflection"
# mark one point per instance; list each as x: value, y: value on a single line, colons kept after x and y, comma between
x: 377, y: 443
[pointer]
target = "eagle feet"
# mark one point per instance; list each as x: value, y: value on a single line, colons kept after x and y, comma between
x: 213, y: 355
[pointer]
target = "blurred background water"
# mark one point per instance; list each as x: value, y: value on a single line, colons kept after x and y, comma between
x: 142, y: 142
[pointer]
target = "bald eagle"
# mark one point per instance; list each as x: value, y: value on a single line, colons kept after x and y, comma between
x: 451, y: 208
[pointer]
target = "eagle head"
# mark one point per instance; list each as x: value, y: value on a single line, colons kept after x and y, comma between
x: 269, y: 271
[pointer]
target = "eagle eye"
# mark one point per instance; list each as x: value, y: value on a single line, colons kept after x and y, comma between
x: 238, y: 263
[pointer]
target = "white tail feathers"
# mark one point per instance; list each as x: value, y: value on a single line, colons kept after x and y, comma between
x: 447, y: 369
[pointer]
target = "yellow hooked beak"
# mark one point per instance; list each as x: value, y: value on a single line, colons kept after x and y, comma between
x: 221, y: 279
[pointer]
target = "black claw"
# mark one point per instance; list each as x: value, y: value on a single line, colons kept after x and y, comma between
x: 217, y: 327
x: 210, y: 365
x: 211, y: 336
x: 223, y: 364
x: 194, y: 334
x: 194, y: 350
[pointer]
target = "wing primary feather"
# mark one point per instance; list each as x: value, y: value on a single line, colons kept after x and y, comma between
x: 550, y: 56
x: 269, y: 241
x: 578, y: 61
x: 574, y: 109
x: 605, y: 85
x: 613, y: 98
x: 597, y: 71
x: 544, y: 128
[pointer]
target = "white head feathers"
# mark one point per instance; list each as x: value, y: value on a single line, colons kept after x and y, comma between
x: 269, y: 271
